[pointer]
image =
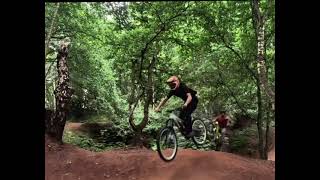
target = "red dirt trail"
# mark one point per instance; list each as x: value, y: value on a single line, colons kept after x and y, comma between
x: 68, y: 162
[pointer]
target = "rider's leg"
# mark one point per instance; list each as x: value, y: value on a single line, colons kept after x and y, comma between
x: 189, y: 110
x: 184, y: 115
x: 188, y: 122
x: 224, y: 141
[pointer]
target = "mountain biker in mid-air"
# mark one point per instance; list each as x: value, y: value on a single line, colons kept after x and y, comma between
x: 189, y: 97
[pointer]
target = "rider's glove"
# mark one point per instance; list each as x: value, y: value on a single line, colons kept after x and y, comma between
x: 184, y: 106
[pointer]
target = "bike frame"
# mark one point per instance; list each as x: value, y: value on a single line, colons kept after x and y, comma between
x: 175, y: 120
x: 215, y: 128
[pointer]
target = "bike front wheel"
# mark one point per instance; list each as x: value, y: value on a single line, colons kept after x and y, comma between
x: 167, y: 145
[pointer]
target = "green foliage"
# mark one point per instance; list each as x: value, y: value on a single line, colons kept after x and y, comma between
x: 153, y: 145
x: 210, y: 45
x: 99, y: 139
x: 83, y: 141
x: 239, y: 142
x: 244, y: 141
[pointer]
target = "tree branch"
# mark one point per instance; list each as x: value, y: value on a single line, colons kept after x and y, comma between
x: 49, y: 68
x: 134, y: 127
x: 144, y: 50
x: 50, y: 30
x: 268, y: 11
x: 180, y: 14
x: 162, y: 28
x: 180, y: 42
x: 231, y: 93
x: 239, y: 56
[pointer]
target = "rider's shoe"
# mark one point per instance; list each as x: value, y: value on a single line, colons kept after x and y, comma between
x: 191, y: 134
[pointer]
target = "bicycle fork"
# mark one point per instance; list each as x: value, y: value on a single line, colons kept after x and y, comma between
x: 169, y: 138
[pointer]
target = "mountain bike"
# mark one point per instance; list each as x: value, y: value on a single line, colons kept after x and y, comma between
x: 215, y: 135
x: 167, y: 143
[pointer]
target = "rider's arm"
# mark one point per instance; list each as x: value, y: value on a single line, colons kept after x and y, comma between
x: 163, y: 102
x: 215, y: 120
x: 228, y: 121
x: 188, y: 99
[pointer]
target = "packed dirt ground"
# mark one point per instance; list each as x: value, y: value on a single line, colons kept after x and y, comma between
x: 68, y: 162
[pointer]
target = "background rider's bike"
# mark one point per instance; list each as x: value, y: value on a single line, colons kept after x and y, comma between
x: 167, y: 144
x: 215, y: 135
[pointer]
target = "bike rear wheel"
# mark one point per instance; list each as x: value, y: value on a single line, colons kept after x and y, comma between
x: 167, y: 145
x: 200, y: 131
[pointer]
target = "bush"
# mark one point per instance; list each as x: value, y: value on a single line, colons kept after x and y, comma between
x: 83, y: 141
x: 244, y: 141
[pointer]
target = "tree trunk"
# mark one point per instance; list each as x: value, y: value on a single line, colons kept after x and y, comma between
x: 149, y: 94
x: 133, y: 90
x: 138, y: 128
x: 50, y: 30
x: 62, y: 96
x: 259, y: 122
x: 152, y: 93
x: 48, y: 115
x: 258, y: 23
x: 266, y: 146
x: 54, y: 100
